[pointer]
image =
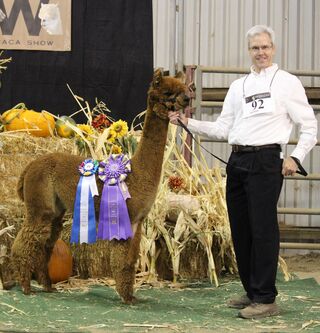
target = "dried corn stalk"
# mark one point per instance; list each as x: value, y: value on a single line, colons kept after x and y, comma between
x: 3, y: 62
x: 200, y: 206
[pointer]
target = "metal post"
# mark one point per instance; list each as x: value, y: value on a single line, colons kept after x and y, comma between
x: 172, y: 36
x: 180, y: 48
x: 188, y: 112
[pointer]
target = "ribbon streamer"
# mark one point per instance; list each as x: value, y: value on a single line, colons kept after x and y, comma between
x: 114, y: 221
x: 84, y: 220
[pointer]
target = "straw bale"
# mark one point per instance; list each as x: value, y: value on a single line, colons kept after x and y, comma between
x: 92, y: 260
x: 190, y: 246
x: 16, y: 151
x: 13, y: 143
x: 193, y: 261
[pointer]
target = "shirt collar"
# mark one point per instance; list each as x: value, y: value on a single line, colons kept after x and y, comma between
x: 264, y: 72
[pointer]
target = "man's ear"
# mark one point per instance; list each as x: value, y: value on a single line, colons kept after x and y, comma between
x: 157, y: 77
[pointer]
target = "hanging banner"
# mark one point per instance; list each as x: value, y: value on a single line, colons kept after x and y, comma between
x: 43, y: 25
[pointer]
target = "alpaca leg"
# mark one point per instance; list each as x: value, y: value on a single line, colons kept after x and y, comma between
x: 6, y: 285
x: 56, y: 227
x: 125, y: 278
x: 40, y: 234
x: 21, y: 260
x: 123, y: 272
x: 8, y: 279
x: 43, y: 274
x: 25, y: 276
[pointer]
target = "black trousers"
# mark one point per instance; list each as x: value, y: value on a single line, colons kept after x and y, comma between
x: 254, y: 182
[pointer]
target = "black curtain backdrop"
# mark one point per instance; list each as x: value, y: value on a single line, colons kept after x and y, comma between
x: 111, y: 60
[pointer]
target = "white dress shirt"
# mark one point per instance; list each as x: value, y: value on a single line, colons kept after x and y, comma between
x: 269, y: 125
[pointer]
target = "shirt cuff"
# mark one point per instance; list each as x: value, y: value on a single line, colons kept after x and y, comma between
x: 193, y: 125
x: 299, y: 154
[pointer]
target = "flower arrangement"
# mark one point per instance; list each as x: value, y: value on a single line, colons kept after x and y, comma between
x: 117, y: 137
x: 102, y: 135
x: 99, y: 137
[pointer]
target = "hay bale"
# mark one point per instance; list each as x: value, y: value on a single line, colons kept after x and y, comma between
x: 91, y: 261
x: 193, y: 261
x: 16, y: 151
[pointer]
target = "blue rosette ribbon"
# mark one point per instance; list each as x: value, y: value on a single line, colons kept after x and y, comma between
x: 84, y: 219
x: 114, y: 221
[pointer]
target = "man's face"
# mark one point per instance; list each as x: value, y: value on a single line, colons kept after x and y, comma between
x: 261, y: 51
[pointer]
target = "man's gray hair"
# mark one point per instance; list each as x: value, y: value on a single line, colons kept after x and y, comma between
x: 260, y: 29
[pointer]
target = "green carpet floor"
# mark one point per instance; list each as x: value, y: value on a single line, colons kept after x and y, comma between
x: 200, y: 307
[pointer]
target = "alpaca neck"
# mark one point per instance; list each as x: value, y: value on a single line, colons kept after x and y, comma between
x: 152, y: 144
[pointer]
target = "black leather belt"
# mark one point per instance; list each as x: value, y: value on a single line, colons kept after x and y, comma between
x: 248, y: 149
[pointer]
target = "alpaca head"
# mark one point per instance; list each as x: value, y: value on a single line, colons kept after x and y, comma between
x: 49, y: 15
x: 167, y: 93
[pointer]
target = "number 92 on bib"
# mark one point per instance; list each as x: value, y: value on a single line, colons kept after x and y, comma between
x: 257, y: 104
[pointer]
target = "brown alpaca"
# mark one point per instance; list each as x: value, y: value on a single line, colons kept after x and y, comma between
x: 48, y: 186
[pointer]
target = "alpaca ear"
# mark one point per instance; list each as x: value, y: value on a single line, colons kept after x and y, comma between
x: 157, y: 77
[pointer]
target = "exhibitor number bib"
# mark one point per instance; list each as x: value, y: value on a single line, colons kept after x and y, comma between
x: 261, y: 103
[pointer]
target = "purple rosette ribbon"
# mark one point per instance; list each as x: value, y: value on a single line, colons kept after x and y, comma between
x: 84, y: 219
x: 114, y: 221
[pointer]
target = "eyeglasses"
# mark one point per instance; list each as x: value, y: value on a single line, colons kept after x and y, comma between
x: 256, y: 49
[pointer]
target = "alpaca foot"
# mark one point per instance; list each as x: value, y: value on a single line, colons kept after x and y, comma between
x: 9, y: 285
x: 49, y: 289
x: 26, y: 290
x: 130, y: 300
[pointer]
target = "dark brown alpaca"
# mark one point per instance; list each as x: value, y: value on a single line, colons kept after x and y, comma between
x: 48, y: 187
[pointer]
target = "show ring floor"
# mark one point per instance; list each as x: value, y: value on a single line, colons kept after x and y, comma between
x: 194, y: 307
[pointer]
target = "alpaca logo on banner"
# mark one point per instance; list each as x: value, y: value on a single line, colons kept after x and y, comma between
x: 35, y: 25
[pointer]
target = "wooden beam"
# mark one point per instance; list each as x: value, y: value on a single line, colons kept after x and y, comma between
x: 218, y: 94
x: 298, y: 234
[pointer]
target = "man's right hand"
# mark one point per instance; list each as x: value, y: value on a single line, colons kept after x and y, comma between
x: 175, y: 115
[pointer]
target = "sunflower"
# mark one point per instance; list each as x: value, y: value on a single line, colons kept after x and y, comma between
x: 87, y: 131
x: 116, y: 149
x: 112, y: 135
x: 120, y: 127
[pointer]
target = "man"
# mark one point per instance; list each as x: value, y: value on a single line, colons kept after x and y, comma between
x: 257, y: 118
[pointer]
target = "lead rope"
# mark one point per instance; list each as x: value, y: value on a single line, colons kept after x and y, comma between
x: 300, y: 171
x: 204, y: 148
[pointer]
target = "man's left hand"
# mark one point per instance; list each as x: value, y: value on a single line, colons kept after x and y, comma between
x: 289, y: 166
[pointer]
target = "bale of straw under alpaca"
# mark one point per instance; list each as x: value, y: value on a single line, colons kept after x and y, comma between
x: 186, y: 234
x: 16, y: 151
x: 160, y: 247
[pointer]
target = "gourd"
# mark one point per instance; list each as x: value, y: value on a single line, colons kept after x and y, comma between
x: 60, y: 263
x: 39, y: 124
x: 62, y: 127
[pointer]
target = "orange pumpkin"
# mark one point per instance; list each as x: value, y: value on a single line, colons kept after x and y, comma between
x: 60, y: 263
x: 20, y: 118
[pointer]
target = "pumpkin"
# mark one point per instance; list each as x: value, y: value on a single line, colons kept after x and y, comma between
x: 60, y: 263
x: 21, y: 118
x: 62, y: 127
